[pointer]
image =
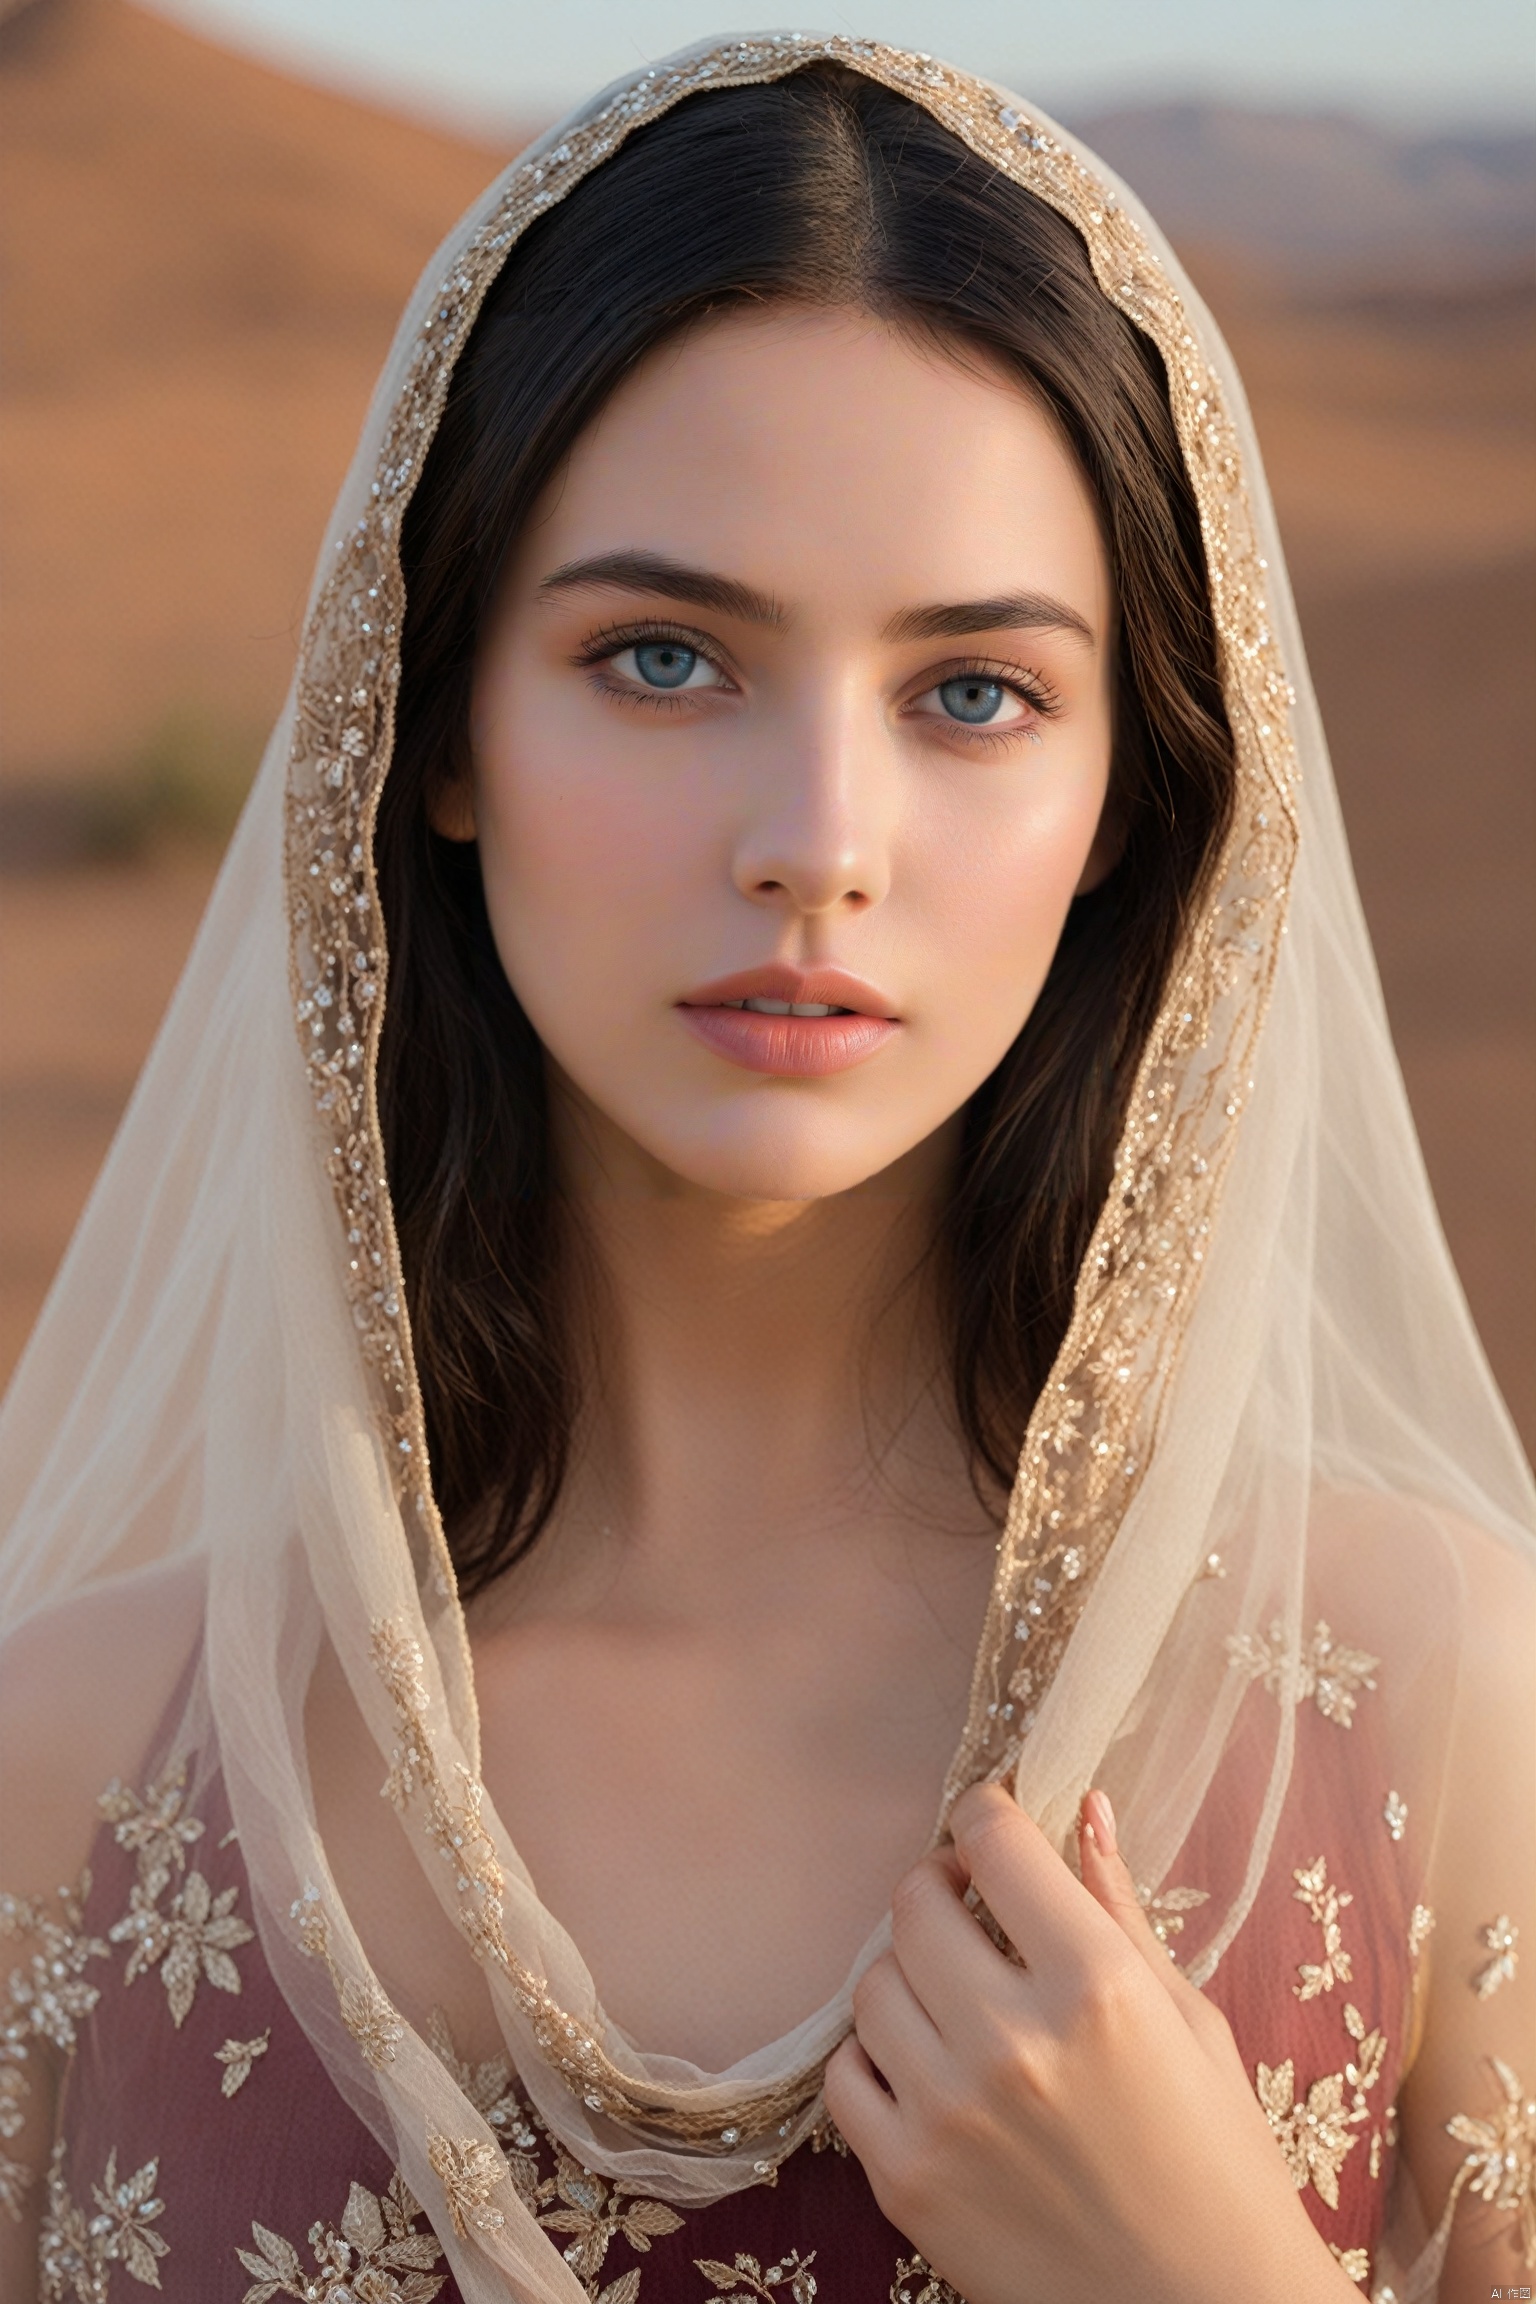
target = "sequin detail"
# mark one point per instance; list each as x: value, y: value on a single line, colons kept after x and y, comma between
x: 1166, y: 1908
x: 375, y: 2254
x: 1500, y: 2166
x: 1331, y: 1674
x: 366, y: 2009
x: 1500, y: 1937
x: 470, y: 2172
x: 790, y: 2281
x: 1314, y: 2132
x: 238, y: 2058
x: 192, y: 1939
x: 77, y: 2252
x: 1394, y: 1814
x: 1325, y: 1903
x: 45, y: 2000
x: 916, y: 2282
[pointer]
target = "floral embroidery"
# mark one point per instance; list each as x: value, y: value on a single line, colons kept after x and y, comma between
x: 1500, y: 1936
x: 1394, y: 1815
x: 76, y: 2254
x: 45, y: 2000
x: 597, y: 2213
x: 1355, y: 2261
x: 469, y: 2173
x: 366, y: 2009
x: 237, y: 2057
x: 153, y: 1829
x: 1166, y: 1910
x: 933, y: 2289
x: 1364, y: 2069
x: 1329, y: 1673
x: 376, y: 2256
x: 1313, y: 2135
x: 194, y: 1938
x: 1500, y: 2166
x: 1421, y: 1922
x: 747, y: 2277
x: 1325, y: 1903
x: 488, y: 2086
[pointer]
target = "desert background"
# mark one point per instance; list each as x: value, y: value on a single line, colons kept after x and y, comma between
x: 201, y: 264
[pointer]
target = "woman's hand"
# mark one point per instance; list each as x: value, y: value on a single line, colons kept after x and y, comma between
x: 1080, y: 2127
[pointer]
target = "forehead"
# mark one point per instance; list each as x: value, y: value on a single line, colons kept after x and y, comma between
x: 826, y: 455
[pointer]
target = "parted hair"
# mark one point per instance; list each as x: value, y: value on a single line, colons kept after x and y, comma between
x: 822, y: 188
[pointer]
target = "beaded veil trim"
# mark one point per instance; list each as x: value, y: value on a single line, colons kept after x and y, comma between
x: 1093, y: 1429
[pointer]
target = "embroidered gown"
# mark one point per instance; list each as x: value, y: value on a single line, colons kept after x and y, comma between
x: 203, y: 2150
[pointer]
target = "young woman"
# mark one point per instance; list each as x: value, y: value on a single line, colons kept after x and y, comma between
x: 776, y: 1207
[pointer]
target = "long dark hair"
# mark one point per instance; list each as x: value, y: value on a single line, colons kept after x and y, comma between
x: 821, y: 188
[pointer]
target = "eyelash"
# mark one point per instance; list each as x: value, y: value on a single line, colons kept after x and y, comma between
x: 1031, y: 688
x: 594, y: 653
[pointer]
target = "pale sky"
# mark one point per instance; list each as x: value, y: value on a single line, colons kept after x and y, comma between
x: 1428, y: 61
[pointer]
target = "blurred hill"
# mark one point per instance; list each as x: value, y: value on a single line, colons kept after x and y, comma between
x: 201, y: 267
x: 202, y: 263
x: 1328, y: 197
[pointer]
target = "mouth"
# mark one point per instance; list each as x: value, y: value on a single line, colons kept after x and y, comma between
x: 797, y: 1024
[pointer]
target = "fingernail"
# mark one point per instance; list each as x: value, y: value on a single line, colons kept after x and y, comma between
x: 1100, y: 1818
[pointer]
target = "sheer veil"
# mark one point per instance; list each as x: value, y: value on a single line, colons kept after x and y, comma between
x: 1270, y: 1417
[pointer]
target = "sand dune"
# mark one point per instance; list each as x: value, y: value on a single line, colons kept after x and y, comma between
x: 203, y: 263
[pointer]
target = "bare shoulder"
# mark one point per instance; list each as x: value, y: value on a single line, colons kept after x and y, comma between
x: 83, y: 1687
x: 1399, y: 1558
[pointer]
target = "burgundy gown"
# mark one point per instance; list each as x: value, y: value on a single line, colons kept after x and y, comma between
x: 203, y: 2149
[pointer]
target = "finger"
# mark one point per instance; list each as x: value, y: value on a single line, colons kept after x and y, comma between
x: 863, y: 2111
x: 1107, y: 1878
x: 952, y: 1967
x: 892, y: 2027
x: 1030, y: 1892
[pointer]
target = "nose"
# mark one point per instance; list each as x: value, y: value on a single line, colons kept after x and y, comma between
x: 817, y: 839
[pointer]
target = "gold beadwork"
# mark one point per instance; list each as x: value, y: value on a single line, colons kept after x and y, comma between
x: 76, y: 2252
x: 1165, y: 1909
x: 238, y: 2058
x: 1500, y: 2166
x: 1500, y: 1937
x: 1331, y: 1674
x: 469, y: 2172
x: 375, y: 2254
x: 45, y: 2000
x: 1325, y: 1903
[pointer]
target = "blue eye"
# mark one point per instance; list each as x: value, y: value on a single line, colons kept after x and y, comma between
x: 972, y: 699
x: 664, y: 663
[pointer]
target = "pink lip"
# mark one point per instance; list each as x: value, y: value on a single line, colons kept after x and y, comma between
x: 793, y: 1047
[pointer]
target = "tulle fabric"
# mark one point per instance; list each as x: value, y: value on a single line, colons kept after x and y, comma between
x: 1293, y: 1420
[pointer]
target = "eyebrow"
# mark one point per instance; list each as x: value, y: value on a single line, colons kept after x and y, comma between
x: 638, y: 571
x: 652, y: 572
x: 1009, y: 611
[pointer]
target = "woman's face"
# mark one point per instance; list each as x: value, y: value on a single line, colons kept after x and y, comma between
x: 796, y: 697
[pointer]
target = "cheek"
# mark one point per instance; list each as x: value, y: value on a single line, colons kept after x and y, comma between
x: 990, y: 880
x: 593, y: 863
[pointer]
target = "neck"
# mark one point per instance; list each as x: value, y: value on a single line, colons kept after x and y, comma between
x: 758, y: 1374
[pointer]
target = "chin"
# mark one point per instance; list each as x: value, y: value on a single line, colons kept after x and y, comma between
x: 804, y: 1156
